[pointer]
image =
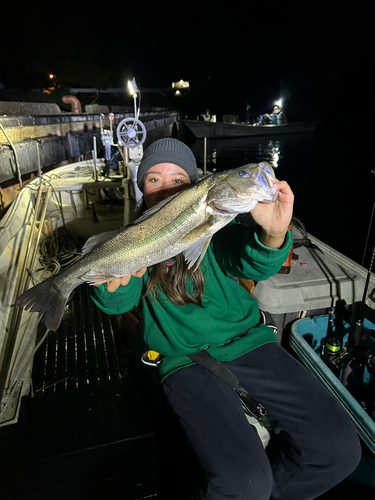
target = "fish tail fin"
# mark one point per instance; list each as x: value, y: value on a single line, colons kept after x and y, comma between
x: 45, y: 298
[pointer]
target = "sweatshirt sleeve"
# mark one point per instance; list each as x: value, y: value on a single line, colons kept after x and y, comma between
x: 120, y: 301
x: 240, y: 253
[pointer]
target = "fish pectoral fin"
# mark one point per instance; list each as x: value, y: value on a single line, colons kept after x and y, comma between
x: 199, y: 238
x: 98, y: 239
x: 195, y: 253
x: 95, y: 277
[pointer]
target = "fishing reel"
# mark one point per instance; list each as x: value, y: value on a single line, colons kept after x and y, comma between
x: 131, y: 132
x: 370, y: 362
x: 339, y: 357
x: 334, y: 354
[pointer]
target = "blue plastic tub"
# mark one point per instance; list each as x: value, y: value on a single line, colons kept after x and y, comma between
x: 305, y: 339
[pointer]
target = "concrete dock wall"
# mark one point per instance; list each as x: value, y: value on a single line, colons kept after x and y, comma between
x: 42, y: 134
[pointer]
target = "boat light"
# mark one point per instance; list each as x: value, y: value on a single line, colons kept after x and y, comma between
x: 133, y: 89
x: 279, y: 103
x: 180, y: 85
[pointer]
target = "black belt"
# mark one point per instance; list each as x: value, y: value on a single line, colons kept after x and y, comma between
x: 251, y: 405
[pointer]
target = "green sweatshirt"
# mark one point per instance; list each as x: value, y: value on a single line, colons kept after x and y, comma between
x: 174, y: 331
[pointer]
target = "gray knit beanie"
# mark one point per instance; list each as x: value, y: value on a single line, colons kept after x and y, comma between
x: 168, y: 151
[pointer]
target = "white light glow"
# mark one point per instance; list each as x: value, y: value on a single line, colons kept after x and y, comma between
x: 133, y: 89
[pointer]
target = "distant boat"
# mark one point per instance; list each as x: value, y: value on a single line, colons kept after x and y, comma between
x: 202, y: 129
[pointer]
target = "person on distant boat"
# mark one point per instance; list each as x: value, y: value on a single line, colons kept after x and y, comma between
x: 206, y: 116
x: 279, y: 113
x: 277, y: 117
x: 264, y: 119
x: 313, y: 443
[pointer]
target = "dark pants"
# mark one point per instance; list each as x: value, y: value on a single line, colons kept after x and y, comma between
x: 320, y: 446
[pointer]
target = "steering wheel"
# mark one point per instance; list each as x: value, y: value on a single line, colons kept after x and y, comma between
x: 131, y: 132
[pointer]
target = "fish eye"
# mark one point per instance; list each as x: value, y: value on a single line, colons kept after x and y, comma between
x: 243, y: 173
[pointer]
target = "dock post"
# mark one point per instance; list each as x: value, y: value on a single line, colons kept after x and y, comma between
x: 205, y: 156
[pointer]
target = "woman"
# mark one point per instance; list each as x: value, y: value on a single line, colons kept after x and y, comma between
x: 185, y: 312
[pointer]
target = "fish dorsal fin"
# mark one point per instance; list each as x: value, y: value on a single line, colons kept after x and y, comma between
x: 98, y: 239
x: 195, y: 253
x: 156, y: 208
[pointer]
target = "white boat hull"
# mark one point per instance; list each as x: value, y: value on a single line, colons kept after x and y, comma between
x: 202, y: 129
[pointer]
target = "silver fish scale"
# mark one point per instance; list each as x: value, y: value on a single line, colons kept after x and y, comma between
x: 148, y: 242
x: 159, y: 237
x: 164, y: 233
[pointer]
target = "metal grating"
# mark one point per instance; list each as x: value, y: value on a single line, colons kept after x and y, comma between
x: 87, y: 425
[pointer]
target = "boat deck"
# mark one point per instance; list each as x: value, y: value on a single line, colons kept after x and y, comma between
x: 97, y: 425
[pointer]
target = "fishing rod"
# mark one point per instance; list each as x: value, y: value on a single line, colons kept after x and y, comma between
x: 356, y: 331
x: 354, y: 350
x: 344, y: 358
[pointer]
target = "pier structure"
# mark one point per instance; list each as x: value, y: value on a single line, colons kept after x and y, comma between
x: 36, y: 137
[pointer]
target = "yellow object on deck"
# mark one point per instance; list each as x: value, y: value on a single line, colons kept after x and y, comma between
x: 152, y: 358
x: 153, y: 355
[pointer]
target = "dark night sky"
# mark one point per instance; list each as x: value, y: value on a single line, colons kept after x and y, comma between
x: 318, y: 56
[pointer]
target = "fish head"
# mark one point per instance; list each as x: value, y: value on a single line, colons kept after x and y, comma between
x: 242, y: 188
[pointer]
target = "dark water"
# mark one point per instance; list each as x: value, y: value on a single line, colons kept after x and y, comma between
x: 329, y: 172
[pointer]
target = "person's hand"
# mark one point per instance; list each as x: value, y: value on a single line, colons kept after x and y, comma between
x: 113, y: 285
x: 274, y: 218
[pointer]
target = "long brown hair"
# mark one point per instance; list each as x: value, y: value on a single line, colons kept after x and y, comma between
x: 173, y: 283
